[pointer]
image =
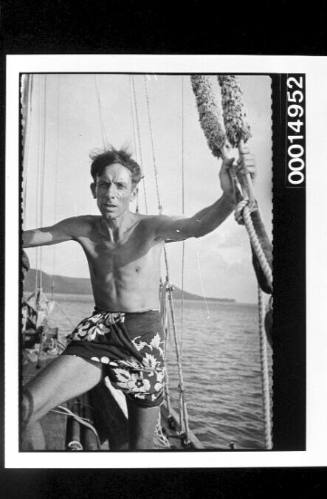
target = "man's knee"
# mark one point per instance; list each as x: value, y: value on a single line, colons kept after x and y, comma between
x: 27, y: 408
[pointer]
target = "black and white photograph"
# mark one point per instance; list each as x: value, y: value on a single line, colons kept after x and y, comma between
x: 154, y: 264
x: 161, y: 324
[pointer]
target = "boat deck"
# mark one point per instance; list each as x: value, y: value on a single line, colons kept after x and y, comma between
x: 62, y: 432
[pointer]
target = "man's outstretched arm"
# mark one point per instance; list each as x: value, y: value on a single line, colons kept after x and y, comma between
x: 58, y: 233
x: 206, y: 220
x: 203, y: 222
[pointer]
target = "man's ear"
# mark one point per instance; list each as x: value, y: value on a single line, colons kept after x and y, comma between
x: 92, y: 187
x: 134, y: 193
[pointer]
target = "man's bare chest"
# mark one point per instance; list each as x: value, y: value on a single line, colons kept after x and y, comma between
x: 107, y: 255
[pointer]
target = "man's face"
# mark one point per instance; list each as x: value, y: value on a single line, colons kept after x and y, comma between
x: 113, y: 191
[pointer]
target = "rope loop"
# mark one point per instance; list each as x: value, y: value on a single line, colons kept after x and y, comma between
x: 239, y: 210
x: 238, y: 214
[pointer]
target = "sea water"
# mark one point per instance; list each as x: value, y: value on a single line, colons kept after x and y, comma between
x: 220, y: 355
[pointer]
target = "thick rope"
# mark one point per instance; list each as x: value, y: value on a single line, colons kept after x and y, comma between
x: 264, y: 373
x: 210, y: 113
x: 256, y: 245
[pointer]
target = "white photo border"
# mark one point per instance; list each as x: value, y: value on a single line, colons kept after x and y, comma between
x: 315, y: 69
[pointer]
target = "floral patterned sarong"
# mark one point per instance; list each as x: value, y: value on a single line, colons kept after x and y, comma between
x: 129, y: 347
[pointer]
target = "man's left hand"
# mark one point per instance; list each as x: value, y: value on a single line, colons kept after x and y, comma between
x: 225, y: 175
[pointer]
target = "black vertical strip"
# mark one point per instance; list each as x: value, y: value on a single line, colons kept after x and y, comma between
x: 2, y: 249
x: 289, y: 319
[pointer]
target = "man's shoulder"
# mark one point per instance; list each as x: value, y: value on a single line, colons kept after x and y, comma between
x: 81, y: 224
x: 87, y: 219
x: 87, y: 222
x: 150, y: 218
x: 148, y: 221
x: 153, y: 224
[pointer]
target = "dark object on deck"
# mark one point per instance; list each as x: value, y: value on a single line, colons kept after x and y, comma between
x: 108, y: 417
x: 73, y: 429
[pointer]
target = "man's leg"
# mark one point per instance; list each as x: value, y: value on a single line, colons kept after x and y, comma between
x: 141, y: 425
x: 65, y: 378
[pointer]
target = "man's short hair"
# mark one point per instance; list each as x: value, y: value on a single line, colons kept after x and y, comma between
x: 110, y: 156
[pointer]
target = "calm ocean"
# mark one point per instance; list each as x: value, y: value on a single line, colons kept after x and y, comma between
x: 221, y: 367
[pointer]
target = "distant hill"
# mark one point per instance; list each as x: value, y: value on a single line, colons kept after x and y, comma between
x: 82, y: 286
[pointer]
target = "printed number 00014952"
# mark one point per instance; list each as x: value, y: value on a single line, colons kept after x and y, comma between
x: 295, y: 131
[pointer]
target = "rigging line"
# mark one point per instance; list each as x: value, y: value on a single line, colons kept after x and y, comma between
x: 37, y: 198
x: 139, y: 142
x: 182, y: 133
x: 166, y: 329
x: 43, y: 158
x: 134, y: 139
x: 27, y: 132
x: 183, y: 211
x: 135, y: 123
x: 183, y: 409
x: 56, y: 178
x: 156, y: 174
x: 102, y: 127
x: 155, y: 168
x: 183, y: 412
x: 132, y: 115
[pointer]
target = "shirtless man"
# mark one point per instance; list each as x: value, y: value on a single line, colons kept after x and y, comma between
x: 123, y: 338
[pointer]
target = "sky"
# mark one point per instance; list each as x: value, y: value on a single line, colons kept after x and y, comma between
x: 71, y: 114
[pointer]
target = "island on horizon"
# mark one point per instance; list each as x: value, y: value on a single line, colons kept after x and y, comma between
x: 82, y: 286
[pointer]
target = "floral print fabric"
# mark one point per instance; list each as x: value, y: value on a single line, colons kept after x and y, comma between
x: 134, y: 362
